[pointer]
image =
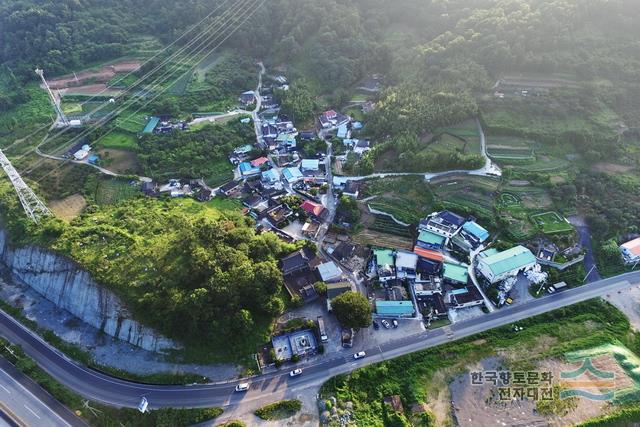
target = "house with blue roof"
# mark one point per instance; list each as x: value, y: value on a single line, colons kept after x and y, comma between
x: 292, y: 175
x: 246, y: 169
x: 476, y: 231
x: 270, y: 177
x: 343, y: 131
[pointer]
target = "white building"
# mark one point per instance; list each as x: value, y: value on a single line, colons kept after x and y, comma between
x: 497, y: 266
x: 406, y: 263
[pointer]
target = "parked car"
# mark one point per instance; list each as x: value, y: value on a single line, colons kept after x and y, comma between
x: 359, y: 355
x: 385, y: 323
x: 242, y: 387
x: 376, y: 325
x: 295, y: 372
x: 394, y: 322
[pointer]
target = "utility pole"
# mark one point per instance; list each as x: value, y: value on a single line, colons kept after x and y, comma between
x: 56, y: 103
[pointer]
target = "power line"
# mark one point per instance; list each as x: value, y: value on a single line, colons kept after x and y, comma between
x: 169, y: 72
x: 246, y: 18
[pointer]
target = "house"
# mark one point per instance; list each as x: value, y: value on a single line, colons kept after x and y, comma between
x: 204, y: 195
x: 361, y: 146
x: 252, y: 201
x: 335, y: 289
x: 427, y: 267
x: 497, y: 266
x: 300, y: 343
x: 270, y: 177
x: 246, y: 169
x: 428, y: 286
x: 385, y: 264
x: 475, y: 231
x: 287, y: 141
x: 432, y: 305
x: 292, y: 175
x: 247, y: 98
x: 465, y: 297
x: 313, y: 209
x: 231, y: 188
x: 312, y: 165
x: 310, y: 229
x: 344, y: 251
x: 307, y: 135
x: 430, y: 240
x: 352, y: 189
x: 328, y: 119
x: 456, y: 275
x: 329, y: 272
x: 297, y: 261
x: 151, y: 124
x: 256, y: 163
x: 243, y: 150
x: 278, y: 214
x: 406, y: 263
x: 149, y: 188
x: 631, y: 251
x: 343, y: 131
x: 445, y: 223
x: 428, y: 254
x: 395, y: 308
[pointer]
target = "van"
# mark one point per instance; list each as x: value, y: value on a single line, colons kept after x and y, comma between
x: 242, y: 387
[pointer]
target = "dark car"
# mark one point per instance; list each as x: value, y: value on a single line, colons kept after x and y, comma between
x: 376, y: 326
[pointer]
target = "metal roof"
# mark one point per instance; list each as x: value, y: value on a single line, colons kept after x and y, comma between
x: 476, y: 230
x: 394, y: 307
x: 431, y: 238
x: 509, y: 260
x: 329, y: 271
x: 383, y: 256
x: 455, y: 272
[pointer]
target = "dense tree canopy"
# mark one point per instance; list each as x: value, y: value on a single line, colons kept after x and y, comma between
x: 352, y: 310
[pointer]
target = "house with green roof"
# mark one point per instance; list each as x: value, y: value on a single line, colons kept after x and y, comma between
x: 430, y: 240
x: 395, y: 308
x: 455, y: 274
x: 385, y: 264
x: 497, y: 266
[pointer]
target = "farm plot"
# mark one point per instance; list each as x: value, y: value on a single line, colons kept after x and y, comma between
x: 113, y: 191
x: 475, y: 195
x: 132, y: 122
x: 510, y: 148
x: 512, y: 212
x: 408, y: 199
x: 118, y: 140
x: 386, y: 225
x: 552, y: 223
x: 466, y: 131
x: 448, y: 143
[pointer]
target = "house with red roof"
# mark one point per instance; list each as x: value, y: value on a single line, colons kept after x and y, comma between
x: 256, y: 163
x: 312, y: 208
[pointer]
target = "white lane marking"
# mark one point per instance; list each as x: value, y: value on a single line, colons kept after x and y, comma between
x: 31, y: 410
x: 5, y: 389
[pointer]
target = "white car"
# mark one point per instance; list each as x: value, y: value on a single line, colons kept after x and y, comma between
x: 359, y: 355
x: 242, y: 387
x: 295, y: 372
x: 385, y: 323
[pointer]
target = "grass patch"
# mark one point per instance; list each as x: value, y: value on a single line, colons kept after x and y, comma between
x: 119, y: 140
x: 131, y: 122
x: 279, y: 410
x: 408, y: 198
x: 551, y: 223
x: 114, y: 191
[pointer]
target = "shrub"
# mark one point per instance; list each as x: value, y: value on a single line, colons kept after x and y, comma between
x: 279, y: 410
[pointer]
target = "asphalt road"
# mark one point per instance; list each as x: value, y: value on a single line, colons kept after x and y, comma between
x: 25, y: 403
x: 103, y: 388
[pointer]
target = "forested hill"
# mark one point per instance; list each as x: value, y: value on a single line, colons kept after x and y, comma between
x: 61, y: 35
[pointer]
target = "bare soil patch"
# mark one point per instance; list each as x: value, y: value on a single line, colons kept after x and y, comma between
x: 557, y: 179
x: 611, y: 167
x: 370, y: 237
x: 69, y: 207
x: 119, y: 161
x: 628, y: 302
x: 92, y: 89
x: 102, y: 75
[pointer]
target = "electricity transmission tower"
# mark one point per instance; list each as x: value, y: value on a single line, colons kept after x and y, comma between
x: 33, y: 206
x: 62, y: 119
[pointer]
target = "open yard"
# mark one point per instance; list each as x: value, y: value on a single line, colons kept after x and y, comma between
x: 551, y: 223
x: 69, y: 207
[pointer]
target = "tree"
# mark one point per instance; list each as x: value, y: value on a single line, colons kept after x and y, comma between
x: 352, y: 310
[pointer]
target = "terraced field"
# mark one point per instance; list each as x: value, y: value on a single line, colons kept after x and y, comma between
x: 510, y: 148
x: 475, y: 195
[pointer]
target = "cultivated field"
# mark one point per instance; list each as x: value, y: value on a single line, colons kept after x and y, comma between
x: 113, y: 191
x: 69, y: 207
x: 551, y: 223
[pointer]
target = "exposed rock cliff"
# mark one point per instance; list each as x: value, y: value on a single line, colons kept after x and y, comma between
x: 63, y: 282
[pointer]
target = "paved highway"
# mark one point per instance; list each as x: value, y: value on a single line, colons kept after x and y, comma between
x: 103, y: 388
x: 25, y: 403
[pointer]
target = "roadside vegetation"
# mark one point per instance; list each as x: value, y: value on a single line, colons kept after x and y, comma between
x: 279, y: 410
x: 420, y: 377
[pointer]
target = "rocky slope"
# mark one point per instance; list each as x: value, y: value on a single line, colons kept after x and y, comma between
x: 63, y: 282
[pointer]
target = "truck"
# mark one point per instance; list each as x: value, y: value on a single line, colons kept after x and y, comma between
x: 557, y: 287
x: 321, y: 330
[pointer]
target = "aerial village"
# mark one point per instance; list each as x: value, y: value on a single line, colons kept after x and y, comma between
x: 453, y: 273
